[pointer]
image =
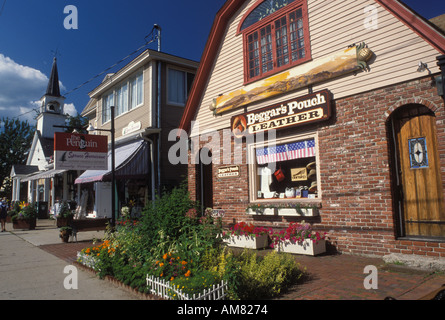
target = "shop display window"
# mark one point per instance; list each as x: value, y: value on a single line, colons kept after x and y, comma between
x: 287, y: 170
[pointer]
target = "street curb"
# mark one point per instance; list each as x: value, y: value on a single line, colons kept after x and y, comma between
x: 416, y: 262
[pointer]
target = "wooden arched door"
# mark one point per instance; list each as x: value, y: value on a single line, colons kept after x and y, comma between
x: 418, y: 189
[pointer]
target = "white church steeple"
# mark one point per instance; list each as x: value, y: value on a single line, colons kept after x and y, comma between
x: 52, y: 107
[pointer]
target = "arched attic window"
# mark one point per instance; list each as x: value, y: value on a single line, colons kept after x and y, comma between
x: 276, y: 37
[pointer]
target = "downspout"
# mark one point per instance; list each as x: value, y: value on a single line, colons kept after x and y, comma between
x: 153, y: 183
x: 159, y: 97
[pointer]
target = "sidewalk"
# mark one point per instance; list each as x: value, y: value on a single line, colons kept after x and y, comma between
x: 30, y: 273
x: 341, y: 277
x: 32, y: 263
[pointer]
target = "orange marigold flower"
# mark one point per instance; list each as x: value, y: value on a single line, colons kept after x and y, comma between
x: 183, y: 262
x: 172, y: 278
x: 187, y: 274
x: 161, y: 264
x: 164, y: 257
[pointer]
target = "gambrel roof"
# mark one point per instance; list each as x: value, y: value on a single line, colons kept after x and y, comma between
x: 422, y: 27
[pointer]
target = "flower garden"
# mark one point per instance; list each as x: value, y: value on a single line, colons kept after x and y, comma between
x: 172, y: 242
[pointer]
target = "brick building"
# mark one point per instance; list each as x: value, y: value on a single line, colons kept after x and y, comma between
x: 325, y: 112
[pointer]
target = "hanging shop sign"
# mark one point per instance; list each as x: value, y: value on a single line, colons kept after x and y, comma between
x: 352, y: 59
x: 228, y: 172
x: 80, y: 152
x: 300, y: 111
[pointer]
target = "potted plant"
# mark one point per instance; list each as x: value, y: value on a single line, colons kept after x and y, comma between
x: 299, y: 238
x: 65, y: 215
x: 25, y: 219
x: 13, y: 211
x: 65, y: 233
x: 243, y: 235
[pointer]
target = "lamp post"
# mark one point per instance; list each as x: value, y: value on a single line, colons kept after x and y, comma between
x: 113, y: 166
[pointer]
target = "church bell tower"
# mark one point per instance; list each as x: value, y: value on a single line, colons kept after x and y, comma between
x: 52, y: 107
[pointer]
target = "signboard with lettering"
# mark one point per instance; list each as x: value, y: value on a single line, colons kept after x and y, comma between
x: 300, y: 111
x: 80, y: 152
x: 228, y: 172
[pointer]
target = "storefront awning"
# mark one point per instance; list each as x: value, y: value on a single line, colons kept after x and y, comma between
x: 131, y: 160
x: 43, y: 175
x: 289, y: 151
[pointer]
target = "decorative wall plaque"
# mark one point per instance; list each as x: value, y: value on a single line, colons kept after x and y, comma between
x: 347, y: 61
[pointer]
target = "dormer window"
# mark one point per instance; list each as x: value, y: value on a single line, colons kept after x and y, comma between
x: 276, y: 37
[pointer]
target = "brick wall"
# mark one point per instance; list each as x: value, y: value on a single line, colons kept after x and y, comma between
x: 356, y: 208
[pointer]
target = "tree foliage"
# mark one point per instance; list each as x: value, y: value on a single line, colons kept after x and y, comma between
x: 78, y: 122
x: 15, y: 141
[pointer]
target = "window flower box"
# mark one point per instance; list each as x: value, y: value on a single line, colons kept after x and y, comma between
x: 261, y: 211
x: 306, y: 247
x: 299, y: 212
x: 243, y: 235
x: 299, y: 238
x: 282, y: 210
x: 249, y: 242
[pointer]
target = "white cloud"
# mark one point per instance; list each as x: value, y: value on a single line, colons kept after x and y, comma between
x: 70, y: 109
x: 21, y: 87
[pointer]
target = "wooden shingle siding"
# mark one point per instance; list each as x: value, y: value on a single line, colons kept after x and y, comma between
x: 333, y: 25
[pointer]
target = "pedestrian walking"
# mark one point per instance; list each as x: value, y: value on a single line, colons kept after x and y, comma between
x: 3, y: 214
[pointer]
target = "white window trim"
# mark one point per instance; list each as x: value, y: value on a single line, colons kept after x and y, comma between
x: 113, y: 91
x: 173, y: 103
x: 251, y: 156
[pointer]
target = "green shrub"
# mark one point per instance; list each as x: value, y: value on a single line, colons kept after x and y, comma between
x: 197, y: 282
x: 171, y: 241
x: 265, y: 277
x: 253, y: 277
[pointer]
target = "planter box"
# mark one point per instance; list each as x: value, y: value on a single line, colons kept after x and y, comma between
x: 307, y: 247
x: 265, y: 212
x: 249, y: 242
x: 64, y: 222
x: 24, y: 224
x: 301, y: 212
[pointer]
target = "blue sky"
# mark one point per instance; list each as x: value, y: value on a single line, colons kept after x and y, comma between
x: 108, y: 30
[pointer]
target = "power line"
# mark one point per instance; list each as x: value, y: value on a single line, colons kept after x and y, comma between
x: 24, y: 114
x: 114, y: 65
x: 153, y: 38
x: 3, y: 7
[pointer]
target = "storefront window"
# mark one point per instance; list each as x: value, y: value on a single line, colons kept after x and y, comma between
x: 287, y: 170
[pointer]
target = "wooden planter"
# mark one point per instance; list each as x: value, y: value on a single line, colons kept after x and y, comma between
x: 306, y: 247
x: 249, y: 242
x: 20, y: 224
x: 65, y: 236
x: 64, y: 222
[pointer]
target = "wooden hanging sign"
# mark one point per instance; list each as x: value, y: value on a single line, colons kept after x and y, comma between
x: 310, y: 108
x: 344, y: 62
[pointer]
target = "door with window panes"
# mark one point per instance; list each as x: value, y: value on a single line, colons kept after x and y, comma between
x: 417, y: 175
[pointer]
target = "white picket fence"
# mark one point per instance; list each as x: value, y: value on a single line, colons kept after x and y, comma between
x: 166, y: 290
